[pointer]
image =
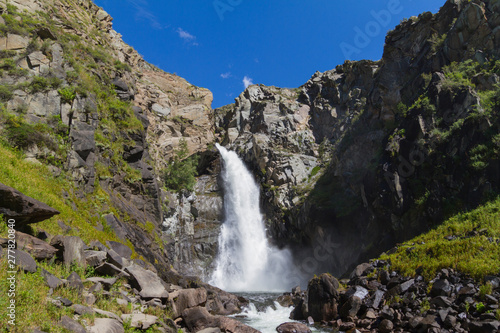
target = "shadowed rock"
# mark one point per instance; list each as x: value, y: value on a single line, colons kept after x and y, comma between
x: 21, y: 208
x: 293, y: 328
x: 39, y: 249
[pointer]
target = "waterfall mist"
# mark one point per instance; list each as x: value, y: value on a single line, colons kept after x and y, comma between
x: 245, y: 260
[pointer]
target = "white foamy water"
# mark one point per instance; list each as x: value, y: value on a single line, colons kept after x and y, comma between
x: 265, y: 314
x: 246, y: 261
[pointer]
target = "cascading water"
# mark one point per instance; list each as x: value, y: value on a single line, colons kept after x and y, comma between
x: 246, y: 261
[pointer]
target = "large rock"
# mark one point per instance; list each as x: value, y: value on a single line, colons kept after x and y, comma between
x: 25, y: 261
x: 293, y: 328
x: 148, y: 283
x: 70, y: 249
x: 121, y: 249
x: 51, y: 280
x: 106, y: 325
x: 140, y: 320
x: 322, y: 293
x: 71, y: 325
x: 198, y: 318
x: 39, y: 249
x: 187, y: 298
x: 21, y: 208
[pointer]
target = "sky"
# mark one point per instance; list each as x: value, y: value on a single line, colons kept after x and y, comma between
x: 226, y: 45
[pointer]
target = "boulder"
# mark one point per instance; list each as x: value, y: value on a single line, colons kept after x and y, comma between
x: 186, y: 298
x: 95, y: 258
x: 293, y: 328
x: 71, y: 325
x: 106, y: 325
x: 75, y: 282
x: 51, y: 280
x: 148, y: 283
x: 351, y: 307
x: 121, y: 249
x: 231, y: 325
x: 140, y: 320
x: 70, y: 249
x: 490, y: 326
x: 21, y: 208
x: 39, y: 249
x: 107, y: 283
x: 198, y: 318
x: 322, y: 293
x: 386, y: 326
x: 82, y: 309
x: 115, y: 259
x: 110, y: 270
x: 25, y: 261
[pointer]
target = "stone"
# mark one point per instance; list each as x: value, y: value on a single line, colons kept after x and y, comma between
x: 351, y: 307
x: 45, y: 33
x: 64, y: 301
x: 441, y: 287
x: 75, y: 282
x: 159, y: 109
x: 51, y: 280
x: 71, y: 325
x: 115, y: 259
x: 386, y: 326
x: 107, y: 314
x: 210, y: 330
x: 361, y: 270
x: 98, y: 246
x: 140, y: 320
x: 121, y: 249
x: 82, y: 309
x: 89, y: 298
x: 198, y: 318
x: 37, y: 248
x: 70, y: 249
x: 378, y: 296
x: 95, y: 258
x: 322, y: 291
x: 293, y: 328
x: 21, y: 208
x: 16, y: 42
x: 83, y: 143
x: 186, y: 298
x: 37, y: 59
x: 441, y: 301
x: 106, y: 325
x: 110, y: 270
x: 148, y: 283
x: 107, y: 283
x: 234, y: 326
x: 25, y: 261
x: 484, y: 326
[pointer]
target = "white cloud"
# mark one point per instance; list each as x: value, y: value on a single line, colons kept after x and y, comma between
x: 144, y: 13
x: 226, y: 75
x: 186, y: 36
x: 247, y: 81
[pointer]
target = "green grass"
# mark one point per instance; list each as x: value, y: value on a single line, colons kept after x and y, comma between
x: 471, y: 252
x: 36, y: 181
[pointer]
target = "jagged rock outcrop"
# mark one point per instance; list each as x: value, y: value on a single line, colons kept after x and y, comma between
x: 21, y: 208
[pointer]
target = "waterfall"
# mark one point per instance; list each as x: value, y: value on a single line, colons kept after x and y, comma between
x: 246, y: 261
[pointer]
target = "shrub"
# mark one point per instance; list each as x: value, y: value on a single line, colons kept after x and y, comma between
x: 181, y: 172
x: 67, y: 94
x: 5, y: 93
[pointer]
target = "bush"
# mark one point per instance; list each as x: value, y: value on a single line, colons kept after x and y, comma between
x: 67, y: 94
x: 181, y: 172
x: 5, y: 93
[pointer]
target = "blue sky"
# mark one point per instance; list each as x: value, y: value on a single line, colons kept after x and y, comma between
x: 224, y: 45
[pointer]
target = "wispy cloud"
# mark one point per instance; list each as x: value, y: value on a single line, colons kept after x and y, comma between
x: 143, y: 13
x: 247, y: 81
x: 226, y: 75
x: 186, y: 36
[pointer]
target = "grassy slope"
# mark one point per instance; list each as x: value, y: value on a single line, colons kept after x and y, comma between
x: 467, y: 242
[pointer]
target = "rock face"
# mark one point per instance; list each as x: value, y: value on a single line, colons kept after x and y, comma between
x: 21, y: 208
x: 347, y: 161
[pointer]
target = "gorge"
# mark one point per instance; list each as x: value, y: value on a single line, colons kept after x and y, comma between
x: 131, y: 192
